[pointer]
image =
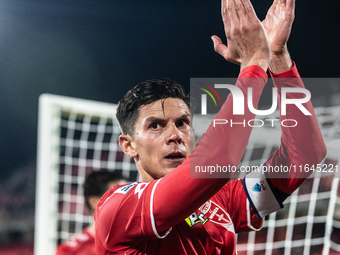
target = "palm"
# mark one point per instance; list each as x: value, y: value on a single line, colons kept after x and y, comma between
x: 278, y: 23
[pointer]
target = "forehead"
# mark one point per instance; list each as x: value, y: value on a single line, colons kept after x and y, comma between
x: 166, y: 108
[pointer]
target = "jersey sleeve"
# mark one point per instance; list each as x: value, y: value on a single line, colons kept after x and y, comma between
x: 149, y: 211
x: 124, y: 215
x: 301, y: 144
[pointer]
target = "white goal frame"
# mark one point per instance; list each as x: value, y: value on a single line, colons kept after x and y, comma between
x: 47, y: 163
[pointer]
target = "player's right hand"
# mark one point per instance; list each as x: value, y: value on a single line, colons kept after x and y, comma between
x: 246, y: 38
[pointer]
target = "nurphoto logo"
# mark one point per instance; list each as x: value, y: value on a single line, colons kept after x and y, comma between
x: 238, y: 100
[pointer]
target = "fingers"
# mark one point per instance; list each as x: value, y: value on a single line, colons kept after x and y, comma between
x: 230, y: 10
x: 236, y: 12
x: 223, y: 50
x: 290, y: 5
x: 219, y: 47
x: 249, y: 11
x: 276, y: 2
x: 246, y: 38
x: 225, y: 17
x: 240, y: 11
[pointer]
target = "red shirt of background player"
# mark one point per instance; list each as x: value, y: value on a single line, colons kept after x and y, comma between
x: 82, y: 243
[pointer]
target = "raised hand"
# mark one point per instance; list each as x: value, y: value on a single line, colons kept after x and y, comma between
x: 246, y: 38
x: 278, y: 25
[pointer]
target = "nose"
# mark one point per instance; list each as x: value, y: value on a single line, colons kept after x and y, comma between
x: 174, y: 135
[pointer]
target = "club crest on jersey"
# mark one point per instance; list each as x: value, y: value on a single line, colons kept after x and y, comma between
x: 216, y: 214
x: 210, y: 211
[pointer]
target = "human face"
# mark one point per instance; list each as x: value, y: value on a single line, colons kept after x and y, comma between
x: 161, y: 138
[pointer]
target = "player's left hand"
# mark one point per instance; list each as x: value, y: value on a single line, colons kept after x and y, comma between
x: 278, y: 24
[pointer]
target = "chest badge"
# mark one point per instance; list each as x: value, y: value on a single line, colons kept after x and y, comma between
x: 215, y: 213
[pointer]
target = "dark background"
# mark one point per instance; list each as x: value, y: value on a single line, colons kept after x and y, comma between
x: 99, y: 49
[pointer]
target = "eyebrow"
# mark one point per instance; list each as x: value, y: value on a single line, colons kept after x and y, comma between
x: 156, y: 119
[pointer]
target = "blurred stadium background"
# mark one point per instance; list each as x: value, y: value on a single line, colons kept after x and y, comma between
x: 98, y: 50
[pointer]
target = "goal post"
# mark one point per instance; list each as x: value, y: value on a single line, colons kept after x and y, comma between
x: 77, y: 136
x: 47, y: 177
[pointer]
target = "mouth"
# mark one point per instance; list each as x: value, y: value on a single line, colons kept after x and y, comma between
x: 175, y: 157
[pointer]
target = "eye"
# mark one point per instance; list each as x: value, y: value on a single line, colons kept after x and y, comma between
x: 154, y: 125
x: 183, y: 122
x: 180, y: 123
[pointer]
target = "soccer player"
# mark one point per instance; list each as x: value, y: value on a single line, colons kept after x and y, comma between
x: 170, y: 213
x: 95, y: 185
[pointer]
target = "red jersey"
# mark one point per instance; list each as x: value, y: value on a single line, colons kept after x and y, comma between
x: 181, y: 215
x: 209, y: 230
x: 82, y: 243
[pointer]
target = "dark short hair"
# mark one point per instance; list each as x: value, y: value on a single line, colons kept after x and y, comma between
x: 96, y: 183
x: 143, y: 94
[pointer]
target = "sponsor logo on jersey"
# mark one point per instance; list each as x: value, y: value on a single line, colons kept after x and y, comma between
x: 259, y: 186
x: 195, y: 218
x: 126, y: 189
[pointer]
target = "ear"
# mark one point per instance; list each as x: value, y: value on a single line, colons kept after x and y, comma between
x: 93, y: 201
x: 126, y: 143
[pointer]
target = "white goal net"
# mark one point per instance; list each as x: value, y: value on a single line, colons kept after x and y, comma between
x: 78, y: 136
x: 75, y: 137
